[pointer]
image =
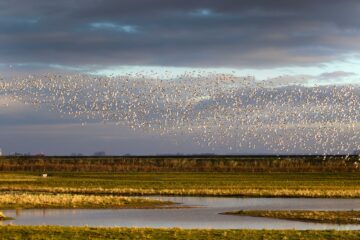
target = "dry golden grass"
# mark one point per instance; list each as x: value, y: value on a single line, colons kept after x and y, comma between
x: 245, y: 192
x: 29, y: 200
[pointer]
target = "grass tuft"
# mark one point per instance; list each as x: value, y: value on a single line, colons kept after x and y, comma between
x: 3, y: 217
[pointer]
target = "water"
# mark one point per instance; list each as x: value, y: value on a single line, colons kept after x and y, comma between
x: 206, y: 215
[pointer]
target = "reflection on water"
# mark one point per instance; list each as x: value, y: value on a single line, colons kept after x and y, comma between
x: 205, y: 216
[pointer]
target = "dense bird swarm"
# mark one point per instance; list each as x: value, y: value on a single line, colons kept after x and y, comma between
x: 215, y: 109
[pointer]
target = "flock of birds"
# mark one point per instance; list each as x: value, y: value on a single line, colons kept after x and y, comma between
x: 241, y: 113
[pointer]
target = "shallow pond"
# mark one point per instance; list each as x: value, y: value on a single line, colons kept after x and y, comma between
x: 205, y: 215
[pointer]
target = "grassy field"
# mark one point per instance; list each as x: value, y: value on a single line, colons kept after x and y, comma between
x: 40, y: 200
x: 342, y: 185
x: 336, y: 217
x: 77, y: 233
x: 104, y: 183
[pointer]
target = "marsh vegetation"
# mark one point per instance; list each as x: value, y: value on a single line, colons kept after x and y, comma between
x: 337, y: 217
x: 62, y: 233
x: 183, y: 164
x: 41, y: 200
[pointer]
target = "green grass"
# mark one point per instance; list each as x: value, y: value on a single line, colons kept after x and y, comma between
x: 342, y: 185
x: 76, y: 233
x: 335, y: 217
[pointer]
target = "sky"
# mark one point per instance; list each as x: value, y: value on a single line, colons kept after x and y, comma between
x: 314, y: 40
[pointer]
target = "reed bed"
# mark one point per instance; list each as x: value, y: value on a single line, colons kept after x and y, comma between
x: 40, y: 200
x: 184, y: 164
x: 256, y: 192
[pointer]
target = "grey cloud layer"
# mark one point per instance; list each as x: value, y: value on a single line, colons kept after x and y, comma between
x: 179, y: 33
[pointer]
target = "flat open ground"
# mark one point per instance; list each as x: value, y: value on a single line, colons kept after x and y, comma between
x: 339, y: 185
x: 110, y: 178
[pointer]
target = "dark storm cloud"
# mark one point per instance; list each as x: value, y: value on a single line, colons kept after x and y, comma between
x: 179, y: 33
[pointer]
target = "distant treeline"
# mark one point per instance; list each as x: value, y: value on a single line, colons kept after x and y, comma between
x: 183, y: 164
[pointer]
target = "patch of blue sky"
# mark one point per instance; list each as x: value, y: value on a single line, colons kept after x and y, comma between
x: 70, y: 68
x: 203, y: 12
x: 110, y: 26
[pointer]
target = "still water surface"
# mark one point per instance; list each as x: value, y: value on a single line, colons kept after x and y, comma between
x: 205, y: 215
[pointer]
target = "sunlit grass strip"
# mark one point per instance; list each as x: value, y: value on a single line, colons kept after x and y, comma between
x: 80, y: 233
x: 246, y: 192
x: 28, y: 200
x: 327, y: 185
x: 335, y: 217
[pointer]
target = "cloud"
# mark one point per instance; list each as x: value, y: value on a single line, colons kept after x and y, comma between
x: 325, y: 78
x: 287, y: 80
x: 336, y: 75
x: 179, y: 33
